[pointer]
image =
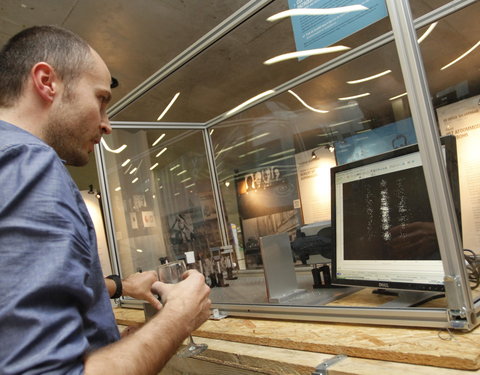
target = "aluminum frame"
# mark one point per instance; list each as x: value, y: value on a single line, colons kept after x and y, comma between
x: 461, y: 313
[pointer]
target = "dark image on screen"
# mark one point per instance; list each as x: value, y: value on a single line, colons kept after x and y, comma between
x: 389, y: 218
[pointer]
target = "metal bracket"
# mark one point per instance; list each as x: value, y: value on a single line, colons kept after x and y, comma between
x: 322, y: 368
x: 217, y: 315
x: 456, y: 312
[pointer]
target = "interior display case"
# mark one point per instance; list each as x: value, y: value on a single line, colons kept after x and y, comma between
x: 240, y: 173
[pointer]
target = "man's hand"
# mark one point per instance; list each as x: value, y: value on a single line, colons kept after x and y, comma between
x: 188, y: 300
x: 139, y: 286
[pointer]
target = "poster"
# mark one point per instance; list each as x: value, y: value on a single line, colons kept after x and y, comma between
x: 375, y: 141
x: 462, y: 119
x: 314, y: 184
x: 313, y: 32
x: 148, y: 219
x: 265, y: 191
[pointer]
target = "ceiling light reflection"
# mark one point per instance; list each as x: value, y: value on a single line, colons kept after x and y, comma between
x: 125, y: 162
x: 117, y: 151
x: 310, y: 52
x: 305, y: 104
x: 461, y: 57
x: 251, y: 100
x: 398, y: 96
x: 168, y: 106
x: 427, y: 32
x: 355, y: 96
x: 315, y: 12
x: 369, y: 78
x: 161, y: 152
x: 158, y: 140
x: 281, y: 153
x: 154, y: 166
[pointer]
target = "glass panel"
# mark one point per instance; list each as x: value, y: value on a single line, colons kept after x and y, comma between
x: 161, y: 196
x: 451, y: 55
x: 422, y: 7
x: 274, y: 163
x: 232, y: 70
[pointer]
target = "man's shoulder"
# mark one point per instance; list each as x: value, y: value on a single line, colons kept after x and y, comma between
x: 12, y: 135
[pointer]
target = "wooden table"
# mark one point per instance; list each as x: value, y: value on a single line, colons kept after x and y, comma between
x: 257, y: 346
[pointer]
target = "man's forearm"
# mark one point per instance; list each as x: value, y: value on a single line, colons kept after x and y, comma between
x: 144, y: 352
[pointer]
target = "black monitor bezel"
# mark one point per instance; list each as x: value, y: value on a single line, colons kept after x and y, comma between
x: 451, y: 164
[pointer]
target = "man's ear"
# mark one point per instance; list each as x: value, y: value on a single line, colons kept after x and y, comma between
x: 45, y: 81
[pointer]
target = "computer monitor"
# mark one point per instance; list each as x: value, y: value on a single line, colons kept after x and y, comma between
x: 382, y: 223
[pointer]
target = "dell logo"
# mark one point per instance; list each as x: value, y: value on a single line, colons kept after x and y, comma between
x: 383, y: 285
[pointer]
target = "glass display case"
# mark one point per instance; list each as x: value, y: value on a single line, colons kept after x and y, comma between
x: 239, y: 180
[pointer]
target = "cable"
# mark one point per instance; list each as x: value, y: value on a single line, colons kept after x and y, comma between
x: 473, y: 268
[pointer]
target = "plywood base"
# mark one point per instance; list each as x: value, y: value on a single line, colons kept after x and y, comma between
x: 319, y: 341
x: 226, y: 358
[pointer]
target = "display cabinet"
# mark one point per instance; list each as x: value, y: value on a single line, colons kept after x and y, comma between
x: 236, y: 177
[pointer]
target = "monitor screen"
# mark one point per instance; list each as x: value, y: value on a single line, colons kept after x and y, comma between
x: 382, y: 222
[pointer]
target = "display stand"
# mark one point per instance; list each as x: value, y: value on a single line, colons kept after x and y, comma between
x: 280, y: 277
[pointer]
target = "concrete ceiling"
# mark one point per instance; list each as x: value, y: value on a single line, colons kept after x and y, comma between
x: 137, y: 38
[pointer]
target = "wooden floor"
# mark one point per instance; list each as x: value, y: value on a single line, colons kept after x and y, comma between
x: 277, y: 347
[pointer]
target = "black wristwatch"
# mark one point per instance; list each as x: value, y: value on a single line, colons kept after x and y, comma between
x: 118, y: 285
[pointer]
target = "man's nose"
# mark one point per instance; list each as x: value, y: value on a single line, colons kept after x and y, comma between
x: 105, y: 126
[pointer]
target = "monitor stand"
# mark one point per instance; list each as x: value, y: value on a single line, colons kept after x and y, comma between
x: 408, y: 298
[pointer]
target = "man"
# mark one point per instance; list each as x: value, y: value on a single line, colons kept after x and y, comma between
x: 55, y: 314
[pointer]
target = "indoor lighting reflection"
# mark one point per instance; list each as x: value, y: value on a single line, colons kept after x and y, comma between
x: 134, y: 180
x: 133, y: 171
x: 251, y: 100
x: 118, y: 188
x: 158, y: 140
x: 154, y: 166
x: 168, y: 106
x: 305, y: 104
x: 315, y: 12
x: 398, y: 96
x: 355, y: 96
x: 252, y: 152
x: 290, y: 150
x: 189, y: 186
x: 174, y: 167
x: 369, y: 78
x: 185, y: 180
x: 117, y: 151
x: 161, y: 152
x: 125, y: 162
x: 182, y: 172
x: 310, y: 52
x: 461, y: 56
x: 279, y: 159
x: 427, y: 32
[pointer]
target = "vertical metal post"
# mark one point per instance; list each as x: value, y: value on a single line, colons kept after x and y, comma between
x: 458, y: 293
x: 107, y: 209
x: 212, y: 166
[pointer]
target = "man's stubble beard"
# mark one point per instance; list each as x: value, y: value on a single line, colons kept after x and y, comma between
x: 60, y: 132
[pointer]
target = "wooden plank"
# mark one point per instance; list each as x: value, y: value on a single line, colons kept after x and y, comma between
x: 398, y: 344
x: 235, y: 358
x: 409, y: 345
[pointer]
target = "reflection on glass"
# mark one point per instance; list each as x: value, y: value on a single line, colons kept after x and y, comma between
x: 278, y: 154
x: 161, y: 198
x: 452, y: 59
